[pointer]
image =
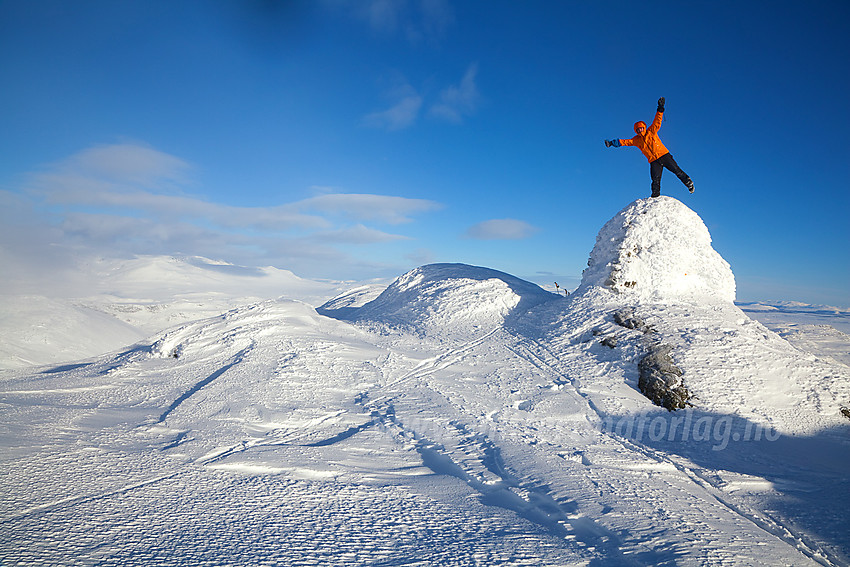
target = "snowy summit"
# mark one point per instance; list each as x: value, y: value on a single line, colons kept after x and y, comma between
x: 657, y: 249
x: 456, y: 297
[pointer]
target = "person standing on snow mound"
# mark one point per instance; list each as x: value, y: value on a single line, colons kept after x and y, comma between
x: 650, y: 144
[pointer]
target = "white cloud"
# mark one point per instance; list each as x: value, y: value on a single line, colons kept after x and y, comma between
x: 109, y: 234
x: 75, y: 190
x: 365, y: 207
x: 401, y: 114
x: 130, y: 163
x: 357, y: 234
x: 501, y: 229
x: 453, y: 104
x: 125, y: 200
x: 458, y: 101
x: 404, y: 109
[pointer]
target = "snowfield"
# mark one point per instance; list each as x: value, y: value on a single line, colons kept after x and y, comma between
x: 458, y: 416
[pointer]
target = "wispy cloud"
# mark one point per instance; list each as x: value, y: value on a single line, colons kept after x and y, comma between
x: 130, y: 199
x: 128, y: 163
x: 358, y: 234
x: 383, y: 208
x: 124, y: 184
x: 418, y: 20
x: 501, y: 229
x: 459, y: 101
x: 453, y: 104
x: 402, y: 113
x: 76, y: 190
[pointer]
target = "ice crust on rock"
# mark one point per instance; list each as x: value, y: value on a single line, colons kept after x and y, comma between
x: 657, y: 249
x: 452, y: 296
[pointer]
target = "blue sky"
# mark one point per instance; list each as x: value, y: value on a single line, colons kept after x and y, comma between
x: 357, y: 139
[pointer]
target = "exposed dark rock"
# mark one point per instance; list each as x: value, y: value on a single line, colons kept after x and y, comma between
x: 626, y: 317
x: 661, y: 380
x: 845, y: 412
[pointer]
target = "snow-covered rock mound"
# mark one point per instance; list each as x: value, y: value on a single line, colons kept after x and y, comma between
x: 658, y: 302
x: 451, y: 297
x: 657, y: 249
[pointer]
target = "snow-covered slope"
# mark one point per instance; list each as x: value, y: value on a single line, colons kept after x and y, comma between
x: 351, y: 299
x: 146, y: 277
x: 113, y: 303
x: 38, y: 330
x: 461, y: 417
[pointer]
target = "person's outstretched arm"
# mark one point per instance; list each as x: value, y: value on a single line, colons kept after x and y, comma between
x: 659, y: 116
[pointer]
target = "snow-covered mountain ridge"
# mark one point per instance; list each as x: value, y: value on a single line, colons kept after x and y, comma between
x: 448, y: 299
x: 459, y: 417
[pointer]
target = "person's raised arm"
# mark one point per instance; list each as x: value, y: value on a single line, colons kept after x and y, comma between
x: 659, y: 116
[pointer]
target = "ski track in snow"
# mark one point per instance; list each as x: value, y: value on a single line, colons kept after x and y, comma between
x: 451, y: 433
x: 700, y: 479
x: 500, y: 487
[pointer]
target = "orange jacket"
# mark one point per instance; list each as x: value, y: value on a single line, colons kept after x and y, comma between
x: 650, y: 144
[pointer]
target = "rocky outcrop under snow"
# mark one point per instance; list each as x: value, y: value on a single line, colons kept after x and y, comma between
x: 655, y: 251
x: 661, y: 380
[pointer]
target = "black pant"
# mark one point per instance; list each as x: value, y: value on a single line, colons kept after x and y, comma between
x: 657, y: 167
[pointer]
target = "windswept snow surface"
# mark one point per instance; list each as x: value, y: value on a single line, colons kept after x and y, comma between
x: 461, y: 417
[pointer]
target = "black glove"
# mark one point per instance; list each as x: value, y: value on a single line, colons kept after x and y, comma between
x: 614, y: 142
x: 661, y: 104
